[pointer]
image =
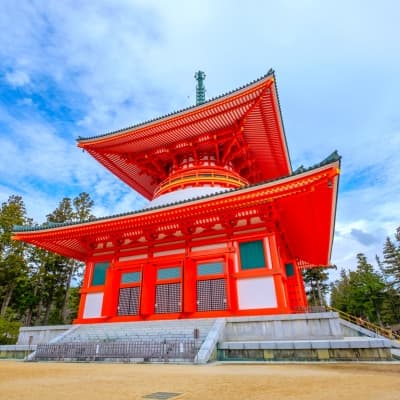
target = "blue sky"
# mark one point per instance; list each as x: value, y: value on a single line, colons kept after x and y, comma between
x: 70, y: 69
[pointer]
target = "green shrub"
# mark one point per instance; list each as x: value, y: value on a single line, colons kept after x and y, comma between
x: 9, y: 331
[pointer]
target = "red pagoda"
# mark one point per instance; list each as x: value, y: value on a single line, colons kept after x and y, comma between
x: 229, y: 225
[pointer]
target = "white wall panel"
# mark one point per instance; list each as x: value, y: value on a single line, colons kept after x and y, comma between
x: 256, y: 293
x: 134, y: 257
x: 93, y: 305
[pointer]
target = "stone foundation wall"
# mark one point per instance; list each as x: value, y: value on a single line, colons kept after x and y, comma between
x: 40, y: 334
x: 14, y: 351
x: 284, y: 327
x: 378, y: 354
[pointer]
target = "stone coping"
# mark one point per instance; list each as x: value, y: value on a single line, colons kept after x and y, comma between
x: 284, y: 317
x: 45, y: 328
x: 353, y: 343
x: 17, y: 347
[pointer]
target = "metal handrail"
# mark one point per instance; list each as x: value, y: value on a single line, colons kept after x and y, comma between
x: 388, y: 333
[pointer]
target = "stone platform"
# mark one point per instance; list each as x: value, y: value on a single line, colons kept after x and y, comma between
x: 295, y: 337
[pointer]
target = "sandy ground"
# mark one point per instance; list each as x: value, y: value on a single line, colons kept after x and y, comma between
x: 58, y: 381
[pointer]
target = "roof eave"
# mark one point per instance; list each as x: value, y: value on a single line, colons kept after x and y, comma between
x: 332, y: 159
x: 82, y: 142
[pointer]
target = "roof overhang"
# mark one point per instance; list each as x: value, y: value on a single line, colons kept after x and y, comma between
x: 305, y: 205
x: 252, y: 113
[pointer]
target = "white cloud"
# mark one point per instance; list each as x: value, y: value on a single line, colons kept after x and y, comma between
x: 114, y: 64
x: 17, y: 78
x: 42, y: 167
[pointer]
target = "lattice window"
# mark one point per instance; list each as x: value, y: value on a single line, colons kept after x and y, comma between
x: 168, y: 298
x: 129, y: 301
x: 211, y: 295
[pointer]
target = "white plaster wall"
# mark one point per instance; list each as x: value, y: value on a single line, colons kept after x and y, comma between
x: 93, y: 305
x: 134, y: 257
x: 210, y: 247
x: 40, y: 334
x: 168, y: 252
x: 256, y: 293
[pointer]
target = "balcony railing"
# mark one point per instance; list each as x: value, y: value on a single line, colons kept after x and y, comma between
x: 200, y: 177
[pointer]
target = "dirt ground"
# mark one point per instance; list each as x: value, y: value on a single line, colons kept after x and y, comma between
x: 58, y: 381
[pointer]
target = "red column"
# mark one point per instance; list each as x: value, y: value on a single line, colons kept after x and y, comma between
x: 189, y: 286
x: 280, y: 294
x: 280, y: 286
x: 111, y: 292
x: 300, y: 287
x: 233, y: 305
x: 83, y: 291
x: 148, y: 290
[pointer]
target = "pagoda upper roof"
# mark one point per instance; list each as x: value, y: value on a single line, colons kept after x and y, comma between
x: 297, y: 196
x: 248, y: 118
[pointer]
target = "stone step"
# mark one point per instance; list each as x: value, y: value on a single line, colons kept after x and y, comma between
x: 141, y: 330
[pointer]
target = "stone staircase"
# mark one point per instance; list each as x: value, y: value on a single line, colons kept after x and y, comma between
x: 157, y: 341
x: 172, y: 330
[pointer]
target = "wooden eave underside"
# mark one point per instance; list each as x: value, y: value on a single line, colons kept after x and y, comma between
x: 252, y: 114
x: 299, y: 209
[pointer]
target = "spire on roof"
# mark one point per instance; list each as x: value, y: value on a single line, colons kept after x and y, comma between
x: 200, y: 88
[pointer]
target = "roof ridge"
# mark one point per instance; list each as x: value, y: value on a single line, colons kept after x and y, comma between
x: 333, y: 157
x: 270, y: 72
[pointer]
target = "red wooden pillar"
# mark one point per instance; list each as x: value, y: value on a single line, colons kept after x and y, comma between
x: 148, y: 290
x: 189, y: 286
x: 281, y: 299
x: 273, y: 248
x: 231, y: 283
x: 82, y: 301
x: 278, y: 274
x: 300, y: 287
x: 111, y: 292
x: 85, y: 284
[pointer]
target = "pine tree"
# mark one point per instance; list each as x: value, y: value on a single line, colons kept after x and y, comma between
x: 13, y: 266
x: 360, y: 292
x: 340, y: 292
x: 77, y: 210
x: 83, y: 206
x: 368, y: 290
x: 316, y: 284
x: 391, y: 261
x: 36, y: 285
x: 63, y: 213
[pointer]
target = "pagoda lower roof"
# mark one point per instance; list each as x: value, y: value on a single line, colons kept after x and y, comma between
x: 248, y: 118
x: 305, y: 202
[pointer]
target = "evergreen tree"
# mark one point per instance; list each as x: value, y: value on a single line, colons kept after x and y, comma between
x: 36, y: 285
x: 391, y: 307
x: 83, y: 205
x: 63, y: 213
x: 13, y: 267
x: 63, y: 270
x: 368, y: 290
x: 390, y: 265
x: 316, y: 284
x: 360, y: 292
x: 340, y: 292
